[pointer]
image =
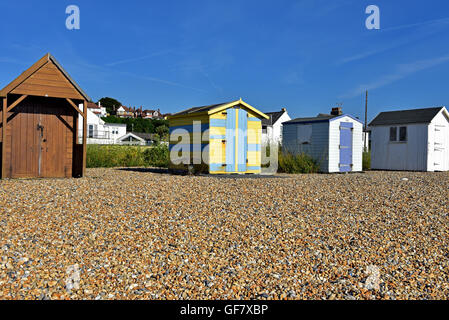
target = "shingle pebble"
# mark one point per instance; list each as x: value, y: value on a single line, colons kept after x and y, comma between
x: 124, y: 234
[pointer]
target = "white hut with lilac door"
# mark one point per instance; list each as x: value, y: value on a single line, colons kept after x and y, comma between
x: 333, y: 140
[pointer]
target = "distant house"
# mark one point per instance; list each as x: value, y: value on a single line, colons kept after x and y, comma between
x: 125, y: 112
x: 99, y: 132
x: 98, y: 110
x: 333, y: 140
x: 131, y: 139
x: 272, y: 127
x: 149, y: 138
x: 152, y: 114
x: 412, y: 140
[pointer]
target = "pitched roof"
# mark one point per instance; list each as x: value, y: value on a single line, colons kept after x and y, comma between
x: 200, y: 109
x: 319, y: 118
x: 145, y: 136
x: 92, y: 105
x: 210, y: 109
x: 274, y: 117
x: 37, y: 66
x: 406, y: 116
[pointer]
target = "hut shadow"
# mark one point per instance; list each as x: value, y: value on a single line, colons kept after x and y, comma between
x: 218, y: 176
x: 147, y: 170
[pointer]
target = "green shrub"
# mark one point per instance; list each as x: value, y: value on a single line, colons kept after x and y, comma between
x: 111, y: 156
x: 301, y: 163
x: 157, y: 156
x: 366, y: 161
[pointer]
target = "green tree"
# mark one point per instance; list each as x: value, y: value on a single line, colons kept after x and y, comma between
x: 162, y: 131
x: 110, y: 104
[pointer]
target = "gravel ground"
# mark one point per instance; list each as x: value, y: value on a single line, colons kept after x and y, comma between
x: 121, y: 234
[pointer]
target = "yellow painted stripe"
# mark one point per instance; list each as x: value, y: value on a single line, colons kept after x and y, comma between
x: 254, y: 138
x: 219, y: 115
x: 217, y: 151
x: 188, y: 121
x: 254, y: 158
x: 187, y: 138
x: 217, y: 131
x: 253, y: 125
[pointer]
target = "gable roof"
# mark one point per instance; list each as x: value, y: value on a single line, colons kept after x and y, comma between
x: 274, y: 117
x: 406, y: 116
x: 320, y: 118
x: 35, y: 68
x: 130, y: 134
x: 92, y: 105
x: 145, y: 136
x: 214, y: 108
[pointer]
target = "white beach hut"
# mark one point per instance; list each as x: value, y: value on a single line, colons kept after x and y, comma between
x: 411, y: 140
x: 333, y: 140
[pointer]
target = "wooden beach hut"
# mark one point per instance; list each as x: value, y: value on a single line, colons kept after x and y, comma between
x: 411, y: 140
x: 334, y: 140
x: 222, y: 138
x: 38, y: 124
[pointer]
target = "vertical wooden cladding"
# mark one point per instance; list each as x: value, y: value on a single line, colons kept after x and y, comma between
x: 40, y: 139
x: 38, y: 136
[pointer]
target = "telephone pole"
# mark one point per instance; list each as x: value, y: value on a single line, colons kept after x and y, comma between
x: 365, y: 132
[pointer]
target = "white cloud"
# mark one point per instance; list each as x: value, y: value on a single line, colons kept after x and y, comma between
x: 402, y: 71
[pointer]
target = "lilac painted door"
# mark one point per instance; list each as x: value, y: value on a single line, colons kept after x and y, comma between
x: 346, y: 146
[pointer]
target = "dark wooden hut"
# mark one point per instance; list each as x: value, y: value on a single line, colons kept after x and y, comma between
x: 39, y: 124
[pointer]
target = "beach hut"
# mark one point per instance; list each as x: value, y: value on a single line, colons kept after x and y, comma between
x: 333, y: 140
x: 38, y: 124
x: 411, y: 140
x: 222, y: 138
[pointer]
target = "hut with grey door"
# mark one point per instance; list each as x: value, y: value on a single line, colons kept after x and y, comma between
x: 333, y: 140
x: 411, y: 140
x: 39, y: 124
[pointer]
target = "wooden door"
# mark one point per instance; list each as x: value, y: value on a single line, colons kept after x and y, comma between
x: 56, y: 141
x: 25, y: 149
x: 42, y: 139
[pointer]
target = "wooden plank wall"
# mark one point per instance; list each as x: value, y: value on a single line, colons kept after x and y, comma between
x: 49, y: 81
x: 1, y: 135
x: 22, y: 139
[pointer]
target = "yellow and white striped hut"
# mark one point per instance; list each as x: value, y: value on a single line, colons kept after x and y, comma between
x: 222, y: 138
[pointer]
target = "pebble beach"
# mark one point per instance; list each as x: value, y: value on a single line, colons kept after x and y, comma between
x: 145, y: 234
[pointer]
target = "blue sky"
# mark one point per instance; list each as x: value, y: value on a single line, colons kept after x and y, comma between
x: 305, y: 55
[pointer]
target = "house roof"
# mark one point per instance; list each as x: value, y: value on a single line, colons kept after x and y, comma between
x: 34, y: 68
x: 406, y: 116
x: 274, y: 117
x: 127, y: 109
x: 200, y: 109
x: 210, y: 109
x: 321, y: 118
x: 92, y: 105
x: 130, y: 134
x: 145, y: 136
